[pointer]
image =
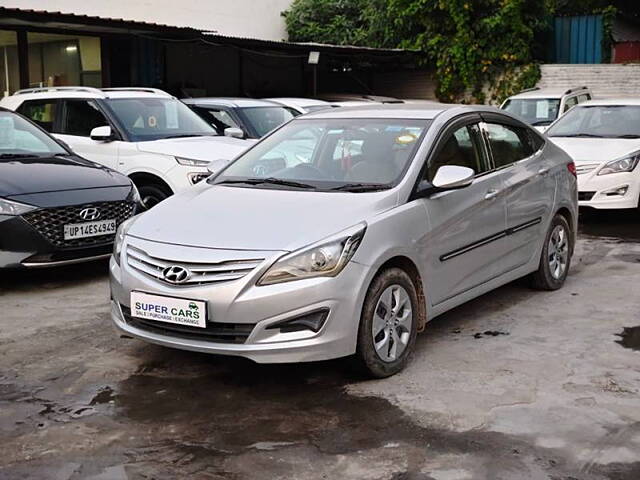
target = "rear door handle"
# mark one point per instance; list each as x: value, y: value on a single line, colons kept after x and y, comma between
x: 491, y: 194
x: 543, y: 171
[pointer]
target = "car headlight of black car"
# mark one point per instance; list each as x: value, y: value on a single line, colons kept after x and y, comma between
x: 10, y: 207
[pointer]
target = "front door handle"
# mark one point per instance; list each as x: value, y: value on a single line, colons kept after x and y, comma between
x: 491, y: 194
x: 543, y: 171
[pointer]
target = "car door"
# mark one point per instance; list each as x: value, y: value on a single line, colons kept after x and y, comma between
x: 517, y: 154
x: 466, y: 226
x: 78, y: 117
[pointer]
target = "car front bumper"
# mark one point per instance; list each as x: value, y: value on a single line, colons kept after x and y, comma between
x: 242, y: 303
x: 599, y: 191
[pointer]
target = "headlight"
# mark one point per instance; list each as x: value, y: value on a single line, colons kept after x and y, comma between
x: 625, y: 164
x: 134, y: 196
x: 326, y: 258
x: 9, y: 207
x: 190, y: 162
x: 120, y: 234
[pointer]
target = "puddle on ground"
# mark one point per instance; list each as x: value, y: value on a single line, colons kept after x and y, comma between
x: 630, y: 338
x: 617, y: 225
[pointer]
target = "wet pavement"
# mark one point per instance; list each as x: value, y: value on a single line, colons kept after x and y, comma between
x: 514, y: 385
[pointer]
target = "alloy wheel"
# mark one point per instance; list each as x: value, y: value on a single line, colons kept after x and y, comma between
x: 558, y: 252
x: 392, y: 322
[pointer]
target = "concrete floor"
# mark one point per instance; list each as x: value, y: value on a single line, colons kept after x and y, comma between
x: 514, y: 385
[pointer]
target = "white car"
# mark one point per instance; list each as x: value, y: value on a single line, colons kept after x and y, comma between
x: 603, y: 138
x: 299, y: 106
x: 145, y: 133
x: 541, y: 107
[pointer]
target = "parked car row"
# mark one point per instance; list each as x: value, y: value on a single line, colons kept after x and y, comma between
x: 340, y: 232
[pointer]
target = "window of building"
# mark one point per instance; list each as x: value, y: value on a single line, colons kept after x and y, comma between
x: 64, y: 60
x: 9, y: 70
x: 80, y: 117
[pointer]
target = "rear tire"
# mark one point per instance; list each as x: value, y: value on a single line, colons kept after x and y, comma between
x: 153, y: 193
x: 388, y: 324
x: 555, y: 260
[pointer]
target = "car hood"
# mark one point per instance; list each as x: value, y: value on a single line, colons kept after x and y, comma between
x: 255, y: 218
x: 596, y: 150
x: 198, y: 148
x: 59, y: 173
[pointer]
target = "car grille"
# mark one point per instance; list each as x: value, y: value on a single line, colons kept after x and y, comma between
x: 585, y: 196
x: 200, y: 273
x: 214, y: 331
x: 50, y: 222
x: 582, y: 169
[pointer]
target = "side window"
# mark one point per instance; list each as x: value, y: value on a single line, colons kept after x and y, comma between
x: 80, y: 117
x: 220, y: 119
x: 461, y: 148
x: 508, y: 144
x: 570, y: 103
x: 42, y: 112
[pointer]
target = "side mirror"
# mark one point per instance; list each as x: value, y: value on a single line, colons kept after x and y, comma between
x: 102, y: 134
x: 216, y: 165
x: 233, y: 132
x: 448, y: 177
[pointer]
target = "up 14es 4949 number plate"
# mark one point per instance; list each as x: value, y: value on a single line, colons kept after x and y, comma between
x: 89, y: 229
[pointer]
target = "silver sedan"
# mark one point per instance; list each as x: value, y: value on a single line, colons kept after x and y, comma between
x: 344, y: 232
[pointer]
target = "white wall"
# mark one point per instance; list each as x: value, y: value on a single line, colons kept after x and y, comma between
x: 238, y: 18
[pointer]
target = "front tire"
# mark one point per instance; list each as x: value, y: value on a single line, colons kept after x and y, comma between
x: 152, y: 194
x: 555, y: 260
x: 388, y: 324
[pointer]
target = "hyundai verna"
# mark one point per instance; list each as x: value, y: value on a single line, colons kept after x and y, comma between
x: 394, y: 215
x: 55, y: 207
x: 603, y: 137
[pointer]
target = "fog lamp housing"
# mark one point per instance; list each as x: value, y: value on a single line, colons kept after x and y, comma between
x: 616, y: 192
x: 312, y: 321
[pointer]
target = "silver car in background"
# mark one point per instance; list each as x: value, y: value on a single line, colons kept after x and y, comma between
x: 344, y: 231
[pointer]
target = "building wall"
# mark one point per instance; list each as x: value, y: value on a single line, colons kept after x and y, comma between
x: 626, y: 52
x: 259, y: 19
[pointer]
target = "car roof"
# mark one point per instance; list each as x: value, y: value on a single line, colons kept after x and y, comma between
x: 549, y: 92
x: 299, y: 101
x: 403, y: 111
x: 633, y: 101
x: 240, y: 102
x: 89, y: 92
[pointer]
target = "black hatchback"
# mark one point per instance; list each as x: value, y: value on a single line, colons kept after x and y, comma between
x: 55, y: 207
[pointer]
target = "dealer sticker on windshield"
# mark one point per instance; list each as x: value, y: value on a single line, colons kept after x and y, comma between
x: 181, y: 311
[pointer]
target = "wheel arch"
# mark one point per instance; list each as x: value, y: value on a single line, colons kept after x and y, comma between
x: 568, y: 216
x: 406, y: 264
x: 145, y: 178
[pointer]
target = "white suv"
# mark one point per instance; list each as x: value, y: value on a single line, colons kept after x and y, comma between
x: 145, y: 133
x: 540, y: 107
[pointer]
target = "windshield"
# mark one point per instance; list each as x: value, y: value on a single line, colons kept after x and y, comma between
x: 19, y: 138
x: 264, y: 119
x: 155, y: 118
x: 536, y: 111
x: 347, y: 154
x: 607, y: 121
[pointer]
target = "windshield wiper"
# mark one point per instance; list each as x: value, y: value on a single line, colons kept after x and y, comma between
x: 268, y: 180
x: 628, y: 135
x: 541, y: 122
x: 361, y: 187
x: 580, y: 135
x: 186, y: 135
x: 18, y: 155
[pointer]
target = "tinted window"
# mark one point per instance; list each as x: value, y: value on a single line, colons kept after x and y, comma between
x: 19, y: 137
x: 265, y: 119
x: 80, y: 117
x: 571, y: 102
x: 508, y: 144
x: 461, y: 149
x: 218, y: 118
x: 43, y: 112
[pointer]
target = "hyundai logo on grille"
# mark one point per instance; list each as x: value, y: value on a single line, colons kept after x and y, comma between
x: 90, y: 213
x: 176, y: 274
